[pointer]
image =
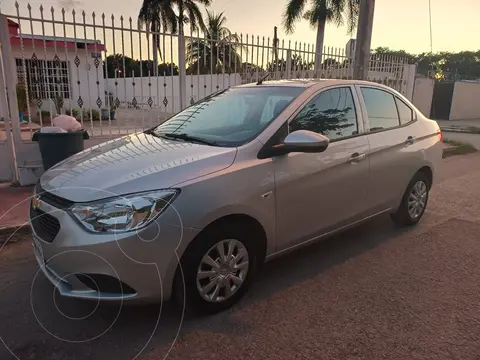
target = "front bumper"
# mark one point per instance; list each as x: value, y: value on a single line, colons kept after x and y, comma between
x: 134, y: 266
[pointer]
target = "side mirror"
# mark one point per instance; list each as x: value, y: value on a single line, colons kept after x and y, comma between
x: 298, y: 141
x: 305, y: 141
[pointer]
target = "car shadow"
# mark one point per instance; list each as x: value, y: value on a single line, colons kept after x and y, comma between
x: 314, y: 259
x: 290, y: 270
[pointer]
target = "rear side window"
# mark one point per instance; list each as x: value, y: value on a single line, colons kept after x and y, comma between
x: 331, y: 113
x: 404, y: 111
x: 381, y: 109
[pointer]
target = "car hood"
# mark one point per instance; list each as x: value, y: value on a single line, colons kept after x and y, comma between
x: 133, y: 163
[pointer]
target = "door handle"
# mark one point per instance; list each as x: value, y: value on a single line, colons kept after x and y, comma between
x: 356, y: 157
x: 410, y: 140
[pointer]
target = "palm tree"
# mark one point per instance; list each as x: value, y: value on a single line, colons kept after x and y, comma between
x: 169, y: 16
x: 321, y: 12
x: 219, y: 49
x: 155, y: 15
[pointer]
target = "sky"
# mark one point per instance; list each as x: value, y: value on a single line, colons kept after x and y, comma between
x: 397, y: 24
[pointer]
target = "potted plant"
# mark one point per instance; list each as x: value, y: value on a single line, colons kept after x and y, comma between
x: 21, y: 100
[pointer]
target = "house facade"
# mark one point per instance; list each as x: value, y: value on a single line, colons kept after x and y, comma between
x: 58, y: 67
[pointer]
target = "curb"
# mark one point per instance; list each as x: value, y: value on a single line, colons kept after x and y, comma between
x: 14, y: 233
x: 472, y: 130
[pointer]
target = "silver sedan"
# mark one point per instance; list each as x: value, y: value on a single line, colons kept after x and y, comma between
x: 192, y: 207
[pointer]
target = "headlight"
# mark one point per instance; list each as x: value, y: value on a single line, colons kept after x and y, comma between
x: 123, y: 213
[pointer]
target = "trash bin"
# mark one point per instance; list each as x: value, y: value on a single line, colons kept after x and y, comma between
x: 56, y: 147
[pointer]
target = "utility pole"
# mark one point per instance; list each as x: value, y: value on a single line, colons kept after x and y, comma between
x: 275, y: 47
x: 364, y: 39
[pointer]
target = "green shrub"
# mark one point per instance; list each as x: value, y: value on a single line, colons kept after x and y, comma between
x: 95, y: 114
x: 72, y: 112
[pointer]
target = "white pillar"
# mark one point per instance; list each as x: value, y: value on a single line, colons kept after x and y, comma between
x: 182, y: 70
x: 8, y: 97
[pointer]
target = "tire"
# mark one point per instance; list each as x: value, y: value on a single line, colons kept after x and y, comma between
x: 404, y: 217
x: 187, y: 292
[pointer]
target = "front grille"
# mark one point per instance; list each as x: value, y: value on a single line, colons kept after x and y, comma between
x: 45, y: 225
x: 51, y: 199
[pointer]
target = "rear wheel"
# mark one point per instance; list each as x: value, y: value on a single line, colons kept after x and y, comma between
x: 217, y: 270
x: 414, y: 201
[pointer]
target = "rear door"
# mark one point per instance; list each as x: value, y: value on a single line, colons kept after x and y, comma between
x: 390, y: 126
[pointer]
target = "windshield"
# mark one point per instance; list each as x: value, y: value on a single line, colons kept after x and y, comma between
x: 231, y: 117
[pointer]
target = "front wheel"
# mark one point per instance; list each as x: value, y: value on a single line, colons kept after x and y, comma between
x: 414, y: 201
x: 217, y: 270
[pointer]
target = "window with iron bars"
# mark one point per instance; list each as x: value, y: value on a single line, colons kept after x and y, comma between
x: 45, y: 79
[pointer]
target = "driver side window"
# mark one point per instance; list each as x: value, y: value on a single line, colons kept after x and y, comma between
x: 331, y: 113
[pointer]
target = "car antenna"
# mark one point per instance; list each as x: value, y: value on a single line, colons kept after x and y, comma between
x: 260, y: 82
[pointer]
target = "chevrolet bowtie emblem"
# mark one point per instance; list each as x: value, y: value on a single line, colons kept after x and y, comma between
x: 36, y: 202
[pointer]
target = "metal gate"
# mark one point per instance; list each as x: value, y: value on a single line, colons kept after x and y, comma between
x: 442, y: 100
x: 8, y: 110
x: 118, y: 78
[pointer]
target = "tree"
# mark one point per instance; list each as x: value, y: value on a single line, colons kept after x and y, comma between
x: 464, y: 65
x: 219, y: 50
x: 157, y: 15
x: 122, y: 66
x: 170, y: 15
x: 296, y: 63
x: 321, y: 12
x: 115, y: 64
x: 330, y: 63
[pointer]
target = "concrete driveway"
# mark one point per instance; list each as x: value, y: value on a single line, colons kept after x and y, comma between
x: 375, y: 292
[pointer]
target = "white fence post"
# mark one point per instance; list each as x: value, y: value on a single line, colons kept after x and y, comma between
x: 182, y: 71
x: 8, y: 96
x: 289, y: 64
x: 410, y: 79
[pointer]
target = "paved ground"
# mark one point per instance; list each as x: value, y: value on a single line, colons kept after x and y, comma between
x: 13, y: 207
x: 376, y: 292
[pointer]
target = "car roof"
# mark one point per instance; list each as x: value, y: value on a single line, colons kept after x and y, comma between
x: 288, y: 83
x: 316, y: 84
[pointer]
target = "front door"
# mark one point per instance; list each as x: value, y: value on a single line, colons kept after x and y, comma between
x: 317, y: 192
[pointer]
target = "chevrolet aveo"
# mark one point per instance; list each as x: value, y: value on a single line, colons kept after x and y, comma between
x: 193, y: 207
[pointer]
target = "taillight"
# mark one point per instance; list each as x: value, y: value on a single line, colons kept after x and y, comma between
x: 440, y: 135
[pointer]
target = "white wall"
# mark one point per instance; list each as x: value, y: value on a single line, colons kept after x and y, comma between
x: 423, y: 95
x: 87, y: 75
x: 465, y: 101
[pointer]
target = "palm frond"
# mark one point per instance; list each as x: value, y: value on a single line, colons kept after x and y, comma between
x: 334, y: 11
x: 194, y: 15
x: 353, y: 10
x: 292, y: 14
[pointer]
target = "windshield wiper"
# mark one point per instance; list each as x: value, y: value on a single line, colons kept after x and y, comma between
x: 187, y: 137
